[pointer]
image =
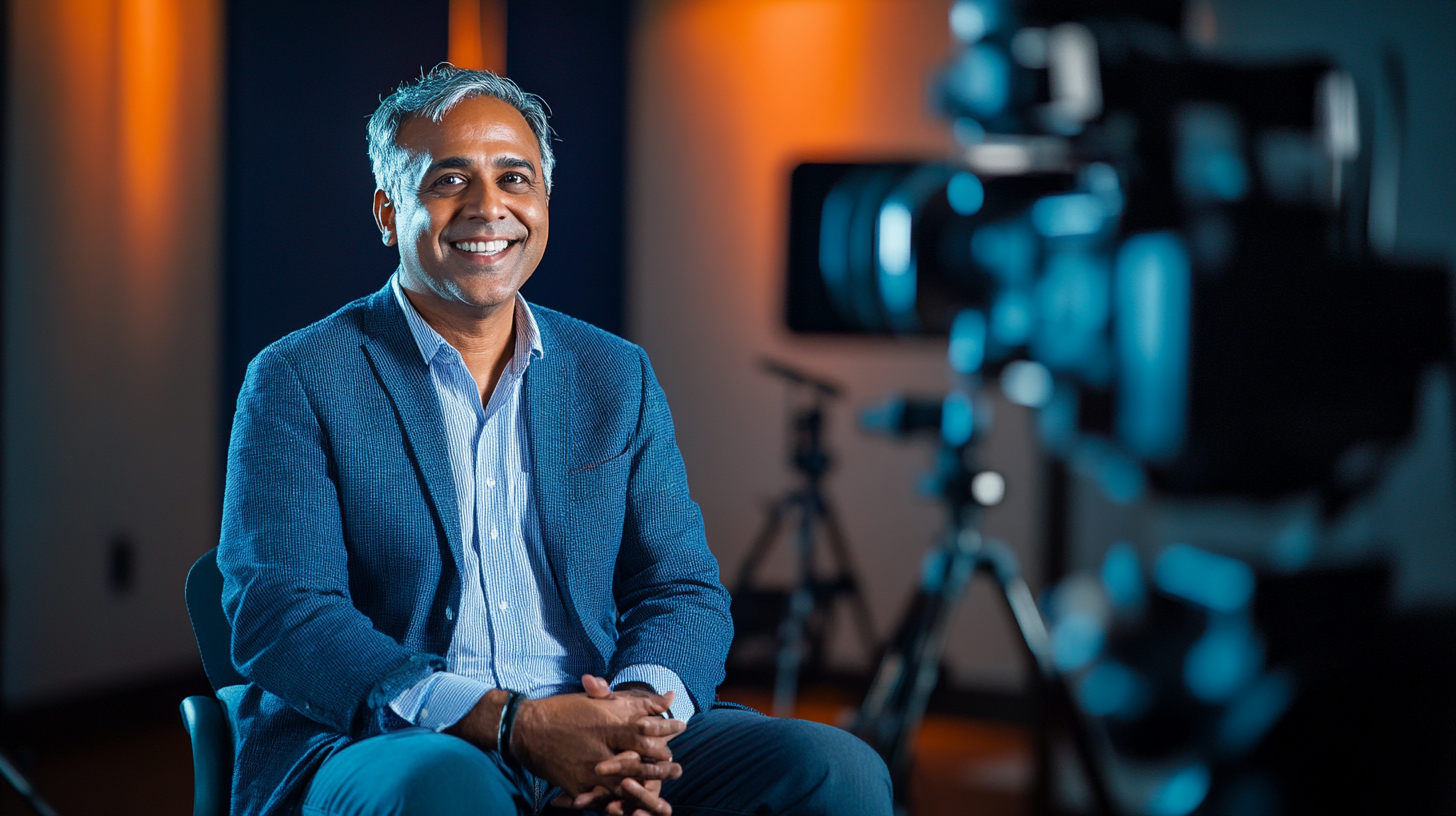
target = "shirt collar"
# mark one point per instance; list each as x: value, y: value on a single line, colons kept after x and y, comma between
x: 528, y: 334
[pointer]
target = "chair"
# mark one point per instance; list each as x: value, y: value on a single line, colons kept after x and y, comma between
x: 206, y: 718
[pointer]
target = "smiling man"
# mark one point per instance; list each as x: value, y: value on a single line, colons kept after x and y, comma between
x: 462, y: 565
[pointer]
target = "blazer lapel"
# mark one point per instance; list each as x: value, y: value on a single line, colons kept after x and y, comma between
x: 546, y: 390
x: 406, y: 378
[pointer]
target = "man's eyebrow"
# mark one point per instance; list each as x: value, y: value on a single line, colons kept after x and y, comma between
x: 451, y: 163
x: 513, y: 163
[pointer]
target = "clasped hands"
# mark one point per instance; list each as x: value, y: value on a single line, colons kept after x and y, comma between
x: 606, y: 749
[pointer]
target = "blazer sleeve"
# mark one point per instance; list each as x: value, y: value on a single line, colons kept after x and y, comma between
x: 296, y: 632
x: 673, y: 611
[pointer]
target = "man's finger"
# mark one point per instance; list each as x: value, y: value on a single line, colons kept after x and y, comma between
x: 586, y: 799
x: 650, y: 748
x: 596, y: 687
x: 647, y: 800
x: 660, y: 727
x: 637, y: 769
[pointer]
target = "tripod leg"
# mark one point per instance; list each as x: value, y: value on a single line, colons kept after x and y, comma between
x: 792, y: 634
x: 764, y: 541
x: 908, y: 671
x: 839, y: 547
x: 1058, y: 698
x: 22, y: 786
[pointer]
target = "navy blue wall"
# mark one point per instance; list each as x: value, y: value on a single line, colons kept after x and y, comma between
x: 574, y: 54
x: 302, y: 79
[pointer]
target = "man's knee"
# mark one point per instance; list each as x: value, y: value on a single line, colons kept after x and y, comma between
x: 410, y: 773
x: 837, y: 771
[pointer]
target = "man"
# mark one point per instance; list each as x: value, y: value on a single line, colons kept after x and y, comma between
x: 452, y: 518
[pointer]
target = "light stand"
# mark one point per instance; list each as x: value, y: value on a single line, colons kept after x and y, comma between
x: 893, y: 709
x: 804, y: 624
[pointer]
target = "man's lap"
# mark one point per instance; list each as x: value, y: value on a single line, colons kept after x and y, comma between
x: 734, y: 762
x: 742, y: 762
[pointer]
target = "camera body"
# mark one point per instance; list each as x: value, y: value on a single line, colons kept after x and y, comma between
x: 1176, y: 244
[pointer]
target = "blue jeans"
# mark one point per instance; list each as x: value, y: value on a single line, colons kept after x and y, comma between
x: 734, y: 762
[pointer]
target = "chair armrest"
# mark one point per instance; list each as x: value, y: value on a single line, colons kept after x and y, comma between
x: 212, y: 755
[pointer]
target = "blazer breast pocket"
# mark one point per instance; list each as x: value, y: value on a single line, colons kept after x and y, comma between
x: 600, y: 487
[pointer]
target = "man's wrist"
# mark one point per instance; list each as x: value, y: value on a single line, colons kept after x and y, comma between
x: 506, y: 727
x: 482, y: 725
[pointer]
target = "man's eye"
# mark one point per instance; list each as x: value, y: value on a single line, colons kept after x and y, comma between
x: 514, y: 178
x: 451, y: 178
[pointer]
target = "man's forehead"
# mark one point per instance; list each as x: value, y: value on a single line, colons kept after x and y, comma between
x: 474, y: 121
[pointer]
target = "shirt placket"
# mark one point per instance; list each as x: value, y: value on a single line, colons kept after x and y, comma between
x: 492, y: 499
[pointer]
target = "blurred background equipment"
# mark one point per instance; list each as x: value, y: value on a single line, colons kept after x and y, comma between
x: 1176, y: 260
x: 187, y: 125
x: 895, y: 704
x: 793, y: 626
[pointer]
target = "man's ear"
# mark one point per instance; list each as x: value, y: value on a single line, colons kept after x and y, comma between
x: 384, y: 218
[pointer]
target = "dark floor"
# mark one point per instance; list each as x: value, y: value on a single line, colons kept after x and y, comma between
x: 963, y: 766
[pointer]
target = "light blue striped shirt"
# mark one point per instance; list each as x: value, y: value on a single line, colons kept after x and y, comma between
x: 513, y: 631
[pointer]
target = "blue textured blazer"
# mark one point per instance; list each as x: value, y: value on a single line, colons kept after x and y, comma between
x: 341, y: 545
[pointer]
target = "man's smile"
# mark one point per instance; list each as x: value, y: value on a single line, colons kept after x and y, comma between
x: 486, y: 249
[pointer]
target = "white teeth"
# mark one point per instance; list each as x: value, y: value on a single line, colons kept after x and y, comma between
x: 487, y: 247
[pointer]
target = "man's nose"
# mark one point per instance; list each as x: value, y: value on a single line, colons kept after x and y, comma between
x: 487, y: 201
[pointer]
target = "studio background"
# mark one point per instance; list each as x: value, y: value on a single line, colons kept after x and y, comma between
x: 186, y: 181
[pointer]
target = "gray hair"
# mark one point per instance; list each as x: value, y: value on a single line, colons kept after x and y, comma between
x: 433, y: 95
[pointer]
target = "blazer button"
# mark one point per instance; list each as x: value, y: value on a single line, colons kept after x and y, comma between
x: 449, y: 615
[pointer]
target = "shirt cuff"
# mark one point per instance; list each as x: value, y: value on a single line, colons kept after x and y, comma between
x: 439, y: 701
x: 662, y: 681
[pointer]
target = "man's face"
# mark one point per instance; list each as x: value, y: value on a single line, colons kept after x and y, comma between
x: 476, y: 226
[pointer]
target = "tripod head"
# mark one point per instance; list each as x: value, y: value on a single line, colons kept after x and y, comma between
x: 808, y: 456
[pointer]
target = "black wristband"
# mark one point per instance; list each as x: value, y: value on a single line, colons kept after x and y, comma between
x: 507, y: 725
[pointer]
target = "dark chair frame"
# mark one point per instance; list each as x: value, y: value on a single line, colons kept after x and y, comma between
x: 206, y: 718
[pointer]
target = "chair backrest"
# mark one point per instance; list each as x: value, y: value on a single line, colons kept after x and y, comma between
x: 209, y: 625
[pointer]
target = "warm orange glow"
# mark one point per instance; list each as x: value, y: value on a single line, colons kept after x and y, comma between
x: 149, y: 79
x: 478, y: 34
x: 131, y: 145
x: 759, y: 85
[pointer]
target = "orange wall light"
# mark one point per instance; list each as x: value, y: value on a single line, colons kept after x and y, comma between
x: 478, y: 34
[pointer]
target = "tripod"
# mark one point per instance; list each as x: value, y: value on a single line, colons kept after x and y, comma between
x: 804, y: 620
x: 893, y: 709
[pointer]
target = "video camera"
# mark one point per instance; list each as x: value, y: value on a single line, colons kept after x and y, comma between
x: 1165, y: 253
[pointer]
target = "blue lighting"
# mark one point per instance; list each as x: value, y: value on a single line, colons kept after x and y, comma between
x: 1011, y: 318
x: 970, y: 20
x: 1076, y: 640
x: 1008, y: 250
x: 1121, y: 478
x: 1250, y: 716
x: 1056, y: 422
x: 968, y: 342
x: 1062, y: 216
x: 965, y: 193
x: 1153, y: 300
x: 1110, y: 689
x: 1122, y: 576
x: 1027, y: 383
x: 1222, y: 662
x: 1182, y: 793
x: 1210, y: 154
x: 981, y: 79
x: 1212, y: 581
x: 957, y: 419
x: 896, y: 257
x: 1073, y: 304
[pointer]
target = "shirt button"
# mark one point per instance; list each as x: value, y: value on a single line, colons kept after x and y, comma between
x: 494, y: 534
x: 503, y: 605
x: 424, y: 712
x: 449, y: 615
x: 490, y: 482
